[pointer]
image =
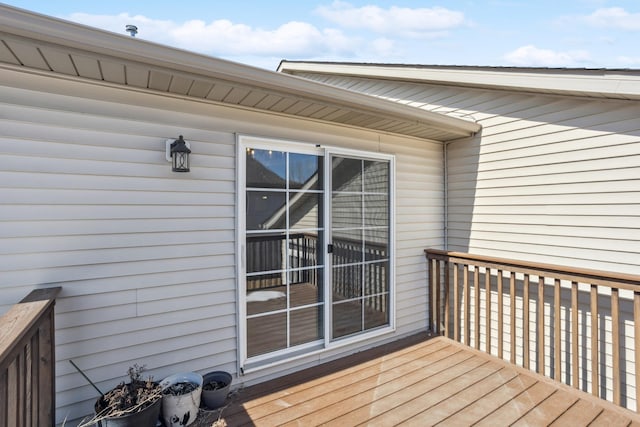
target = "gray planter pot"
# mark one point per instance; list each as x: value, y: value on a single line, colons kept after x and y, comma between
x: 214, y: 399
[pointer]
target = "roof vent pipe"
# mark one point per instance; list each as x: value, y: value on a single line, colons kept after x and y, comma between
x: 132, y: 30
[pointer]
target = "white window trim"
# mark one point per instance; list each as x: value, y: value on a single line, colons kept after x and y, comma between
x: 261, y: 362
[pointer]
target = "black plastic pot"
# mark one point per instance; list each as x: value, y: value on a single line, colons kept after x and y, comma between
x: 147, y: 417
x: 214, y: 399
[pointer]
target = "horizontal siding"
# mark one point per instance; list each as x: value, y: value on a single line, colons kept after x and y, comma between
x: 549, y: 178
x: 146, y: 257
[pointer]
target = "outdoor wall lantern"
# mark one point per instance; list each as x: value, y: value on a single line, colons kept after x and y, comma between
x: 177, y: 152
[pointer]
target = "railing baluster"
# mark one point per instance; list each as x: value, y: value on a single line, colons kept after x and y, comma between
x: 574, y: 335
x: 430, y: 293
x: 456, y: 304
x: 615, y: 342
x: 500, y: 316
x: 557, y: 332
x: 467, y: 309
x: 476, y: 305
x: 525, y: 323
x: 446, y: 299
x: 540, y: 355
x: 512, y: 317
x: 487, y: 287
x: 437, y: 297
x: 636, y: 341
x: 595, y: 386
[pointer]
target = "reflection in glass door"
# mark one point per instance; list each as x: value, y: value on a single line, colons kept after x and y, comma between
x: 284, y: 250
x: 316, y: 247
x: 360, y: 233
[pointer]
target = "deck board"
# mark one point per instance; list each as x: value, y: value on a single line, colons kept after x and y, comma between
x: 419, y: 381
x: 581, y: 413
x: 358, y: 409
x: 548, y: 410
x: 451, y: 403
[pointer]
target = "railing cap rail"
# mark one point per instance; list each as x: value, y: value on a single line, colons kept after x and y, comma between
x: 16, y: 322
x: 542, y: 268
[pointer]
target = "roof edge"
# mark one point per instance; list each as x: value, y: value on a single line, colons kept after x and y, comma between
x: 30, y: 25
x: 600, y: 83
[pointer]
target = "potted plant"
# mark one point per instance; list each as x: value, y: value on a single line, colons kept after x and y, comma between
x: 215, y: 388
x: 181, y: 398
x: 136, y: 403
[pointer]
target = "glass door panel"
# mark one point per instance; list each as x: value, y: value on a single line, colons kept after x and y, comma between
x: 360, y: 231
x: 284, y: 250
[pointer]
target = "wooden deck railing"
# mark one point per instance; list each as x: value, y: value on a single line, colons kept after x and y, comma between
x: 577, y: 326
x: 27, y: 361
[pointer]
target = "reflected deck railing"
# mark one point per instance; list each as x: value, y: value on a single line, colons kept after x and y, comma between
x: 27, y: 361
x: 582, y: 326
x: 269, y: 255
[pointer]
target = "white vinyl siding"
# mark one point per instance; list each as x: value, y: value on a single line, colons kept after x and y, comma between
x: 146, y: 257
x: 550, y: 179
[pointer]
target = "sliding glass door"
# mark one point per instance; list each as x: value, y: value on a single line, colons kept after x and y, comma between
x: 315, y: 254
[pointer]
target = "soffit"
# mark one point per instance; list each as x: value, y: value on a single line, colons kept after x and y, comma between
x: 37, y: 42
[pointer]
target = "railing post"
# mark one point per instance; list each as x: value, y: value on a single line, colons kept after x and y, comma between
x: 27, y: 360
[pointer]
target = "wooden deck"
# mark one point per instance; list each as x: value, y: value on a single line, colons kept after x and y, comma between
x: 419, y: 381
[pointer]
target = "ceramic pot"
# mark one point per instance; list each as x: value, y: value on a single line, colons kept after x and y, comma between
x: 182, y: 409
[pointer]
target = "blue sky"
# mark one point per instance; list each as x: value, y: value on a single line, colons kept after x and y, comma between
x: 559, y: 33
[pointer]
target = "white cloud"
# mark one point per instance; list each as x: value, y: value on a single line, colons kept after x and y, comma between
x: 416, y: 22
x: 532, y: 56
x: 614, y: 17
x: 223, y: 37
